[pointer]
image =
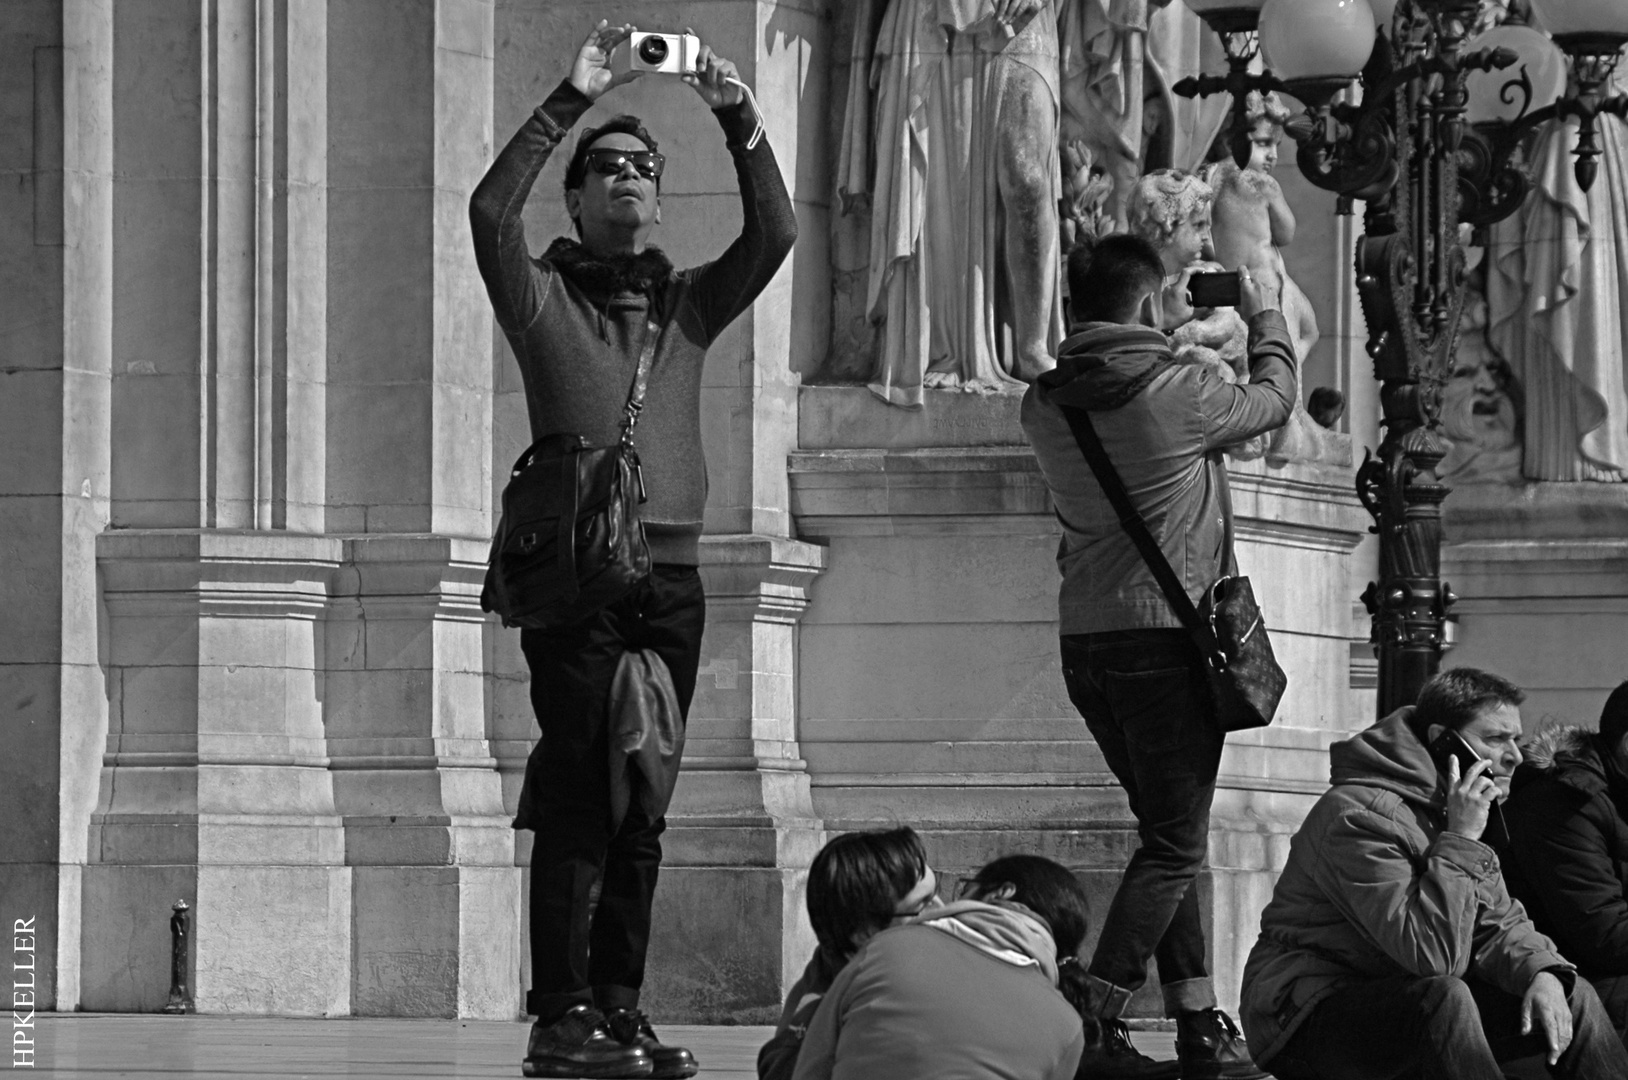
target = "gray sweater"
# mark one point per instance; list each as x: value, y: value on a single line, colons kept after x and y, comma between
x: 576, y: 323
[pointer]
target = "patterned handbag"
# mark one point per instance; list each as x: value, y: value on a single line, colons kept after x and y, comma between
x: 1245, y: 679
x: 570, y: 540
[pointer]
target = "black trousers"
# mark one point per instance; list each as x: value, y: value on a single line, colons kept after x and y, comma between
x: 582, y: 952
x: 1405, y: 1028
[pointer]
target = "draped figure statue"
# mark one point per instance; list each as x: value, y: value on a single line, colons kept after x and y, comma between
x: 1557, y: 290
x: 953, y: 136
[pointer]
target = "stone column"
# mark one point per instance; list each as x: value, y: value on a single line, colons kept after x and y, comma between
x: 215, y: 785
x: 55, y: 216
x: 436, y: 929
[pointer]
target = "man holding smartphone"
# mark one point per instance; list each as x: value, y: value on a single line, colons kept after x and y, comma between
x: 1391, y: 946
x: 1131, y: 669
x: 578, y: 319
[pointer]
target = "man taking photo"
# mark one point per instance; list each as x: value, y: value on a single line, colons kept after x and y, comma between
x: 578, y: 319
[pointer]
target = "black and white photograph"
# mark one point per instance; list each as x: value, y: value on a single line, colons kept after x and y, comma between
x: 814, y: 539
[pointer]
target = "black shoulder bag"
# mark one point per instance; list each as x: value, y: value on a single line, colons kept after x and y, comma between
x: 570, y: 540
x: 1227, y: 627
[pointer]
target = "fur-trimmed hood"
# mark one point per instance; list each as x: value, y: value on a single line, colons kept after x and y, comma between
x: 1553, y: 742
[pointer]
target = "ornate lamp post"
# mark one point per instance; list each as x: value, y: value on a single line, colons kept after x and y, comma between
x: 1409, y: 151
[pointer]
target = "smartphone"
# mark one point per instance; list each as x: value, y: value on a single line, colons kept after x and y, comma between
x: 1215, y: 289
x: 1448, y: 745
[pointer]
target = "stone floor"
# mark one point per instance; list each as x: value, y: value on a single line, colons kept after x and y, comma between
x: 82, y: 1046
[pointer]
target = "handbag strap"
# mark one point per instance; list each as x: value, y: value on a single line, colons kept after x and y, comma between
x: 1136, y: 527
x: 641, y: 379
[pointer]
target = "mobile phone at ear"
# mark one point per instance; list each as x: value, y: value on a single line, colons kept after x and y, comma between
x: 1215, y: 289
x: 1449, y: 745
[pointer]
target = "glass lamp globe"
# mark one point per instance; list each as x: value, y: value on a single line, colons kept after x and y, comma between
x: 1594, y: 17
x: 1318, y: 39
x: 1495, y: 95
x: 1203, y: 6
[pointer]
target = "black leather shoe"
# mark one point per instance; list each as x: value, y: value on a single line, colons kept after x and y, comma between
x: 1109, y: 1055
x: 630, y: 1027
x: 579, y: 1044
x: 1210, y: 1047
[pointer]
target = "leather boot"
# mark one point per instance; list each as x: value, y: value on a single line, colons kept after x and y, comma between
x: 579, y: 1044
x: 1109, y: 1055
x: 630, y: 1027
x: 1210, y: 1047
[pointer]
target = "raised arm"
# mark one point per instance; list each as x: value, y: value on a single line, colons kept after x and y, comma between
x: 723, y: 288
x: 495, y: 207
x: 1233, y: 413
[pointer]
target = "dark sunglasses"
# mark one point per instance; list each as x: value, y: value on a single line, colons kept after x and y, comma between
x: 612, y: 162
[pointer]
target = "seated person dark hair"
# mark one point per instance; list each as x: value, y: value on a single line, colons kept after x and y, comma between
x: 1391, y: 945
x: 1108, y: 280
x: 969, y: 989
x: 1455, y: 698
x: 859, y: 884
x: 1566, y: 857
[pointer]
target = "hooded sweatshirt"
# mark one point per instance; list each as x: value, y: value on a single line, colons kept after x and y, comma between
x: 965, y: 992
x: 1375, y: 887
x: 1566, y: 859
x: 1162, y: 422
x: 577, y: 322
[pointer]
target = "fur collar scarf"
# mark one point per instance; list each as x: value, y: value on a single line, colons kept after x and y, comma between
x: 607, y: 275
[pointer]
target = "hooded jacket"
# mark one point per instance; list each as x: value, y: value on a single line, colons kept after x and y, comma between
x: 577, y: 322
x: 1375, y: 887
x: 1566, y: 859
x: 967, y: 991
x: 1162, y: 422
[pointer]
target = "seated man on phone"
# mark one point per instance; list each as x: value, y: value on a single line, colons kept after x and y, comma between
x: 1391, y: 947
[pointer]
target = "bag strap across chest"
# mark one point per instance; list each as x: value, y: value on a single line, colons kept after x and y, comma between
x: 1136, y: 527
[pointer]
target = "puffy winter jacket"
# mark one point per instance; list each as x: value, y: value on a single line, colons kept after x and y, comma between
x: 1375, y: 887
x: 1566, y: 859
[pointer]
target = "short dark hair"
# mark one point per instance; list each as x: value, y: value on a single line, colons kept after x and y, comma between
x: 577, y: 170
x: 1454, y: 699
x: 857, y: 880
x: 1614, y: 717
x: 1107, y: 280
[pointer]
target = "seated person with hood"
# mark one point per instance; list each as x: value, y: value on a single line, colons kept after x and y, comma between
x: 1391, y: 947
x: 1566, y: 858
x: 969, y: 990
x: 860, y: 884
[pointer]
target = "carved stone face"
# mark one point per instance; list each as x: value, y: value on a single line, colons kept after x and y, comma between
x: 1263, y: 146
x: 1476, y: 406
x: 1189, y: 243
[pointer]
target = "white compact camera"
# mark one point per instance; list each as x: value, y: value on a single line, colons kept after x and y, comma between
x: 671, y: 54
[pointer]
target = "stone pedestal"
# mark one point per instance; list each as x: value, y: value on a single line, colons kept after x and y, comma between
x: 931, y: 690
x: 731, y: 931
x: 1542, y: 573
x: 436, y: 923
x: 215, y: 785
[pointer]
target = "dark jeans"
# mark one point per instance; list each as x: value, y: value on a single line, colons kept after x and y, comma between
x: 1443, y: 1028
x: 1145, y: 699
x: 581, y: 952
x: 1613, y: 991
